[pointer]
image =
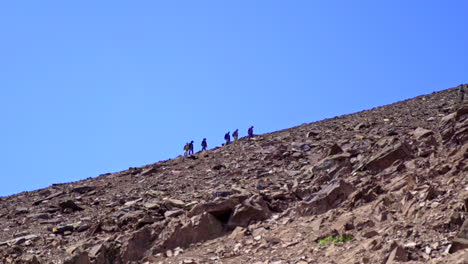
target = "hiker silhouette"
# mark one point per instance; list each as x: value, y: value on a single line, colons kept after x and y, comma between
x: 227, y: 137
x: 204, y: 145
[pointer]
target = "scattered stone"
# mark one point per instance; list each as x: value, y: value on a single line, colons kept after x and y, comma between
x: 173, y: 213
x: 79, y: 258
x: 398, y: 254
x: 30, y: 259
x: 410, y: 244
x: 83, y: 189
x: 48, y: 198
x: 146, y: 220
x: 153, y: 206
x: 305, y: 147
x: 63, y: 228
x: 219, y: 167
x: 39, y: 216
x: 22, y: 210
x: 343, y: 224
x: 370, y: 234
x: 70, y: 205
x: 173, y: 203
x: 313, y: 133
x: 222, y: 193
x: 334, y: 149
x: 148, y: 171
x: 132, y: 203
x: 360, y: 126
x: 237, y: 233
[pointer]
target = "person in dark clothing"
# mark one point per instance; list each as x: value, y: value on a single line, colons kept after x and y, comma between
x: 227, y: 137
x: 235, y: 135
x: 204, y: 145
x: 461, y: 93
x: 190, y: 151
x: 250, y: 132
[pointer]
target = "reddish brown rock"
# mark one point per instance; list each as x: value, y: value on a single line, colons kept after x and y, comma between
x: 30, y: 259
x: 136, y: 246
x: 220, y: 208
x: 326, y: 199
x: 420, y: 133
x: 69, y: 205
x: 398, y: 254
x: 334, y: 149
x: 199, y: 228
x: 461, y: 241
x: 79, y: 258
x: 343, y: 224
x: 386, y: 157
x: 249, y: 211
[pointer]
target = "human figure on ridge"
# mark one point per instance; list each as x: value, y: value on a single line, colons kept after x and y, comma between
x: 461, y: 93
x: 204, y: 145
x: 250, y: 131
x: 235, y: 135
x: 190, y: 151
x: 186, y: 149
x: 227, y: 137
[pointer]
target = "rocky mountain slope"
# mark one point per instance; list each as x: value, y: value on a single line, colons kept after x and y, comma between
x: 387, y: 185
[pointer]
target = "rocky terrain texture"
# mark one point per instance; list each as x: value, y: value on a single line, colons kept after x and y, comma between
x: 386, y: 185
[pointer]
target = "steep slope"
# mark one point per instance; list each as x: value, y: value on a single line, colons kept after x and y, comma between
x: 393, y: 180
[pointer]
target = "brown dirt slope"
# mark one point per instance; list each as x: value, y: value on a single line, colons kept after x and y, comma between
x: 386, y: 185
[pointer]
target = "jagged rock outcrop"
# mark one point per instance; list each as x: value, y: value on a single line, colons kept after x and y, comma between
x: 199, y: 228
x: 330, y: 197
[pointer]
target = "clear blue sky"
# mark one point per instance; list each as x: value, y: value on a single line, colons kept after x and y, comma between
x: 90, y: 87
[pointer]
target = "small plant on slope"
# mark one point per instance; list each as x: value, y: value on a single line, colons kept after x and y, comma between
x: 330, y: 239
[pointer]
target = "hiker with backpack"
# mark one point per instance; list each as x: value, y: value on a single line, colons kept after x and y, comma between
x: 204, y: 145
x: 235, y: 135
x: 186, y: 149
x: 227, y: 137
x: 250, y: 132
x: 190, y: 148
x: 461, y: 93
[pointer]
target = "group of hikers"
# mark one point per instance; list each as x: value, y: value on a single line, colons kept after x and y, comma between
x: 188, y: 148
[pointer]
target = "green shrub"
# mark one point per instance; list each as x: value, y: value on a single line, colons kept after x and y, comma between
x: 330, y: 239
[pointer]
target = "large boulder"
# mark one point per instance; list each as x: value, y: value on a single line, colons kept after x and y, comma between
x: 420, y: 133
x: 461, y: 241
x: 78, y: 258
x: 220, y: 208
x: 251, y: 210
x: 446, y: 126
x: 386, y: 157
x: 139, y: 242
x: 330, y: 197
x: 454, y: 127
x: 397, y: 255
x: 198, y: 229
x: 332, y: 167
